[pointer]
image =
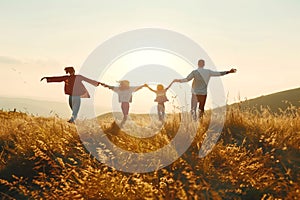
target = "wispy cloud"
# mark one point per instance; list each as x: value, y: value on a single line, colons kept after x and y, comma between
x: 27, y: 62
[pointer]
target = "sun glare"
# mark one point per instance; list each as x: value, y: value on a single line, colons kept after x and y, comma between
x: 131, y: 62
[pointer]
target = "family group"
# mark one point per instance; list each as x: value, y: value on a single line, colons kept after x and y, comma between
x: 76, y: 90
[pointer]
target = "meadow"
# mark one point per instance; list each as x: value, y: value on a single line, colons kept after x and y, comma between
x: 256, y: 157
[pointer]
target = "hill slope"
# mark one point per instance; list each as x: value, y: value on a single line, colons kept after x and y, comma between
x: 276, y: 101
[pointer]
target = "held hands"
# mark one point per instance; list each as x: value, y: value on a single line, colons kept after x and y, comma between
x: 102, y: 84
x: 99, y: 83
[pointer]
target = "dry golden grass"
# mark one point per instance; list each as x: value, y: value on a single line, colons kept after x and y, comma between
x: 256, y: 157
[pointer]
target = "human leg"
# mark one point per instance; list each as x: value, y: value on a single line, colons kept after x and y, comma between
x: 125, y: 108
x: 70, y: 102
x: 125, y: 111
x: 161, y: 111
x: 194, y: 102
x: 74, y: 103
x: 202, y: 101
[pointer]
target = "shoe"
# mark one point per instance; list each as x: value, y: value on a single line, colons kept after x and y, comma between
x: 71, y: 121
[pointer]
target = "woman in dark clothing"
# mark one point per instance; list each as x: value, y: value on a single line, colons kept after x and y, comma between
x: 74, y: 88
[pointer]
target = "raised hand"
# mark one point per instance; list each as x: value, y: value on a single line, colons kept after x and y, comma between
x: 232, y: 70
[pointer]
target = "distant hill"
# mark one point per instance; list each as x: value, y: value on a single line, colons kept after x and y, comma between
x: 276, y: 101
x: 45, y: 108
x: 35, y: 107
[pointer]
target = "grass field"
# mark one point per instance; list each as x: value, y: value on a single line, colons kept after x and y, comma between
x: 256, y: 157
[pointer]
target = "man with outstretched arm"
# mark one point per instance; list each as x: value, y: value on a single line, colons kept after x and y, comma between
x: 200, y: 79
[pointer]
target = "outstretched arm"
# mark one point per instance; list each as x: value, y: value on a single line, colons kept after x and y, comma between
x: 170, y: 85
x: 139, y: 87
x: 107, y: 86
x: 215, y: 73
x: 150, y: 88
x: 187, y: 79
x: 55, y: 79
x: 90, y: 81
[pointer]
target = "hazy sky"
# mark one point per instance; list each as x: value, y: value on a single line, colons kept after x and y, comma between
x: 258, y: 37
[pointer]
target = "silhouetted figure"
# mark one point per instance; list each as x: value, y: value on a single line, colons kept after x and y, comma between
x: 201, y: 78
x: 124, y: 92
x: 74, y: 88
x: 161, y: 98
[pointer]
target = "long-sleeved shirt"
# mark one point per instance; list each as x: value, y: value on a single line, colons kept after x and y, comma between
x: 201, y: 78
x: 73, y: 84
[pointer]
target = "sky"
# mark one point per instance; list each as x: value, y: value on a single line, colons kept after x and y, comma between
x: 259, y: 38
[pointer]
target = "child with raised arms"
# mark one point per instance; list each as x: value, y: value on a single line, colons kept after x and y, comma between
x: 124, y: 91
x: 161, y: 98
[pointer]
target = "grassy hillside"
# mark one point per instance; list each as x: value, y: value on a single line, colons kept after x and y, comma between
x: 256, y: 157
x: 276, y: 102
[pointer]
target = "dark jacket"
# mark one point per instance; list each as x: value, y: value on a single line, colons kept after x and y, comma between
x: 73, y: 84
